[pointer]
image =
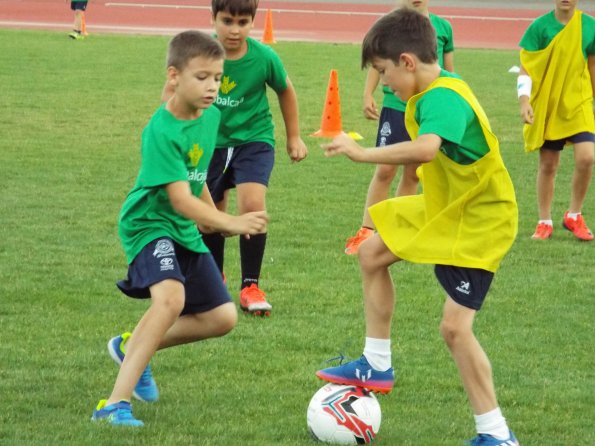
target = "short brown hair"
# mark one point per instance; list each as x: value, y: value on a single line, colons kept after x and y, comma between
x: 235, y: 7
x: 401, y: 31
x: 190, y: 44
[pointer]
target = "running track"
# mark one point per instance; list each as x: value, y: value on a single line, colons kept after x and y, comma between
x: 328, y: 22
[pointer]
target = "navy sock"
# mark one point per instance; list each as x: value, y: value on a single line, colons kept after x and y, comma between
x: 251, y: 255
x: 216, y: 244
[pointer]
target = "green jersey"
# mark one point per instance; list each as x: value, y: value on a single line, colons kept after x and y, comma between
x: 445, y: 113
x: 543, y: 30
x: 245, y: 113
x: 171, y: 150
x: 444, y: 44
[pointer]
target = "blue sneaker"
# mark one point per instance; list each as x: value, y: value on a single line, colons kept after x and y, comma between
x: 119, y: 414
x: 488, y: 440
x: 146, y: 388
x: 360, y: 374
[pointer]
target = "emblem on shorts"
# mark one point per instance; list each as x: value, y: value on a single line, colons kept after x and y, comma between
x: 163, y: 248
x: 195, y: 154
x: 385, y: 130
x: 167, y: 264
x: 464, y: 288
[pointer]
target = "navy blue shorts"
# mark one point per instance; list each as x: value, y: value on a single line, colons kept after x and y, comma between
x: 78, y: 6
x: 165, y: 259
x: 391, y: 127
x: 247, y: 163
x: 466, y: 286
x: 558, y: 144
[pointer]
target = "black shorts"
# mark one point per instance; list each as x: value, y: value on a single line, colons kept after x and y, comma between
x: 558, y: 144
x: 165, y: 259
x: 247, y: 163
x: 78, y: 6
x: 391, y: 127
x: 466, y: 286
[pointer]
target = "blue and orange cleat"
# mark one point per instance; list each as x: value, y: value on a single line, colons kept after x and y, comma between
x: 146, y: 388
x: 360, y: 373
x: 488, y: 440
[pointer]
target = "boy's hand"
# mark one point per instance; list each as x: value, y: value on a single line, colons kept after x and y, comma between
x: 370, y: 109
x: 250, y: 223
x: 526, y: 110
x: 345, y: 145
x: 296, y: 149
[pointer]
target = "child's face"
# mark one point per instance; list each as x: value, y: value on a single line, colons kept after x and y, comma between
x: 232, y: 30
x: 197, y: 84
x: 418, y: 5
x: 566, y: 5
x: 396, y: 76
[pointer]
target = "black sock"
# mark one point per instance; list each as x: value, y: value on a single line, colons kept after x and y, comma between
x: 251, y: 255
x: 216, y: 244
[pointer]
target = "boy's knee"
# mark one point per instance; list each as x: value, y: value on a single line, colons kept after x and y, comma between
x: 227, y: 320
x: 452, y: 332
x: 171, y: 303
x: 385, y: 173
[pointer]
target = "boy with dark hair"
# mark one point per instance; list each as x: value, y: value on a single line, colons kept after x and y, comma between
x: 391, y: 127
x: 464, y: 222
x: 555, y: 90
x: 245, y: 143
x: 168, y: 260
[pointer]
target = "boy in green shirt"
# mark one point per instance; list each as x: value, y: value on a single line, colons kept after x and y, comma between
x: 168, y: 260
x: 245, y: 152
x: 391, y: 127
x: 555, y: 90
x: 464, y: 222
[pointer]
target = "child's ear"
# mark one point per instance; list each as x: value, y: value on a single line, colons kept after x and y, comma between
x: 172, y: 76
x: 408, y: 61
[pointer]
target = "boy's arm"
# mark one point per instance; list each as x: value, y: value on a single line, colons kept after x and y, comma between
x: 207, y: 215
x: 449, y: 61
x: 296, y: 149
x: 370, y: 108
x: 526, y: 111
x: 421, y: 150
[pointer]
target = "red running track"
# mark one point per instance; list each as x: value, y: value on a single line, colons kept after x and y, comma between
x: 327, y: 22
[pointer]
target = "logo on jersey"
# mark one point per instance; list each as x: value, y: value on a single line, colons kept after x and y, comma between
x: 226, y: 85
x: 195, y: 154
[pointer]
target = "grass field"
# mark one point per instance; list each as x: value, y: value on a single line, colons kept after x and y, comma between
x: 70, y: 124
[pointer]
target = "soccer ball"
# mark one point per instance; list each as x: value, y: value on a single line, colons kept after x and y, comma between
x: 343, y: 415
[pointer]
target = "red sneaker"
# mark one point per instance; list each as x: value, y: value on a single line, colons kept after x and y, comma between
x: 352, y: 245
x: 252, y: 301
x: 578, y: 227
x: 543, y: 231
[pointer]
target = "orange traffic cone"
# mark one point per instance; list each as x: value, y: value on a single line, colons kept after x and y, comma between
x: 330, y: 125
x: 83, y: 25
x: 267, y: 35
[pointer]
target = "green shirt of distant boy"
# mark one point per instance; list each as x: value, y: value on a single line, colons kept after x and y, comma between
x: 444, y: 44
x: 445, y: 113
x: 171, y: 150
x: 242, y: 99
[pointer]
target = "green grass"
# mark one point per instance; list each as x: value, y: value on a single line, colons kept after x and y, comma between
x: 70, y: 124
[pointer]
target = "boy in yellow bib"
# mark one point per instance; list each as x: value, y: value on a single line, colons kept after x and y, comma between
x: 464, y: 222
x: 555, y: 90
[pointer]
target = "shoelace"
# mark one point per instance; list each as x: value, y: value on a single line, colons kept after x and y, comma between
x: 340, y: 358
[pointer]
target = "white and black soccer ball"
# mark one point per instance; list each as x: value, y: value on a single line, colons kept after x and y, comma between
x: 343, y: 415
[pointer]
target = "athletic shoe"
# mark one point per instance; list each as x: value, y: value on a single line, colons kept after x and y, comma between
x: 359, y: 373
x: 76, y: 35
x: 352, y: 245
x: 119, y: 414
x: 488, y: 440
x: 146, y: 388
x: 252, y: 301
x: 578, y: 227
x: 543, y: 231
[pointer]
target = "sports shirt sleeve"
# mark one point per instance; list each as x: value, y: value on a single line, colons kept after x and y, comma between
x: 276, y: 73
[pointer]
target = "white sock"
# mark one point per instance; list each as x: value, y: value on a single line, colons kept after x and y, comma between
x: 492, y: 423
x: 377, y: 352
x: 573, y: 215
x: 547, y: 222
